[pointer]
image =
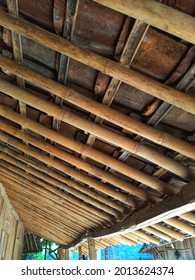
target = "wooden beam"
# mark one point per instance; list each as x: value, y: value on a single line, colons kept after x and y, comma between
x: 156, y: 14
x: 98, y: 62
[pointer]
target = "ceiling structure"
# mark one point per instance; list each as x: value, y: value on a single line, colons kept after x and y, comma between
x: 97, y: 119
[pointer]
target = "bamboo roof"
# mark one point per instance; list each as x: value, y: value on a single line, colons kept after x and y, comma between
x: 97, y: 119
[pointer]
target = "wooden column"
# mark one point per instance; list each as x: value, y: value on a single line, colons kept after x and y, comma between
x: 156, y: 14
x: 67, y: 255
x: 91, y: 248
x: 61, y: 253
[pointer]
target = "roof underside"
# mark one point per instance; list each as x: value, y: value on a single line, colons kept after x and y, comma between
x: 97, y: 124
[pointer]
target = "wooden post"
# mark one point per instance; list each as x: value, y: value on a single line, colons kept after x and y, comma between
x: 67, y: 255
x: 91, y: 248
x: 61, y: 253
x: 156, y: 14
x: 80, y: 253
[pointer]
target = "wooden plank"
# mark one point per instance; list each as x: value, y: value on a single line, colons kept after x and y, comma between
x: 11, y: 239
x: 3, y: 244
x: 157, y: 15
x: 18, y: 246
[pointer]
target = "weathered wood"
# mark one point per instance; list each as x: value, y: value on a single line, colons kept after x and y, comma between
x: 92, y: 250
x: 61, y: 253
x: 9, y: 221
x: 67, y: 254
x: 156, y: 14
x: 94, y: 107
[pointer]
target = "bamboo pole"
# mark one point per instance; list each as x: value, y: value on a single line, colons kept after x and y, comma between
x: 34, y: 175
x: 181, y: 225
x: 59, y: 181
x: 169, y: 231
x: 147, y: 237
x: 156, y: 14
x: 94, y: 107
x: 138, y: 149
x: 91, y: 211
x: 97, y: 156
x: 137, y: 239
x: 98, y: 62
x: 62, y: 167
x: 190, y: 217
x: 158, y: 233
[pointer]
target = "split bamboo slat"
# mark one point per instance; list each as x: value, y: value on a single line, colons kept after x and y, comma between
x: 58, y: 194
x: 92, y: 106
x: 42, y: 213
x: 55, y: 183
x: 58, y: 178
x: 96, y: 61
x: 50, y: 212
x: 156, y: 14
x: 171, y: 165
x: 66, y: 169
x: 85, y: 216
